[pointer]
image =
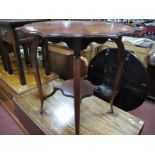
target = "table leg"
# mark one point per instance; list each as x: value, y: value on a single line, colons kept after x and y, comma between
x: 119, y: 71
x: 7, y: 62
x: 33, y: 54
x: 45, y: 56
x: 76, y: 77
x: 18, y: 59
x: 26, y: 54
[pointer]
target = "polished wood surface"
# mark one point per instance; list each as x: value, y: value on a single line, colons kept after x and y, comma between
x: 78, y: 35
x: 10, y: 87
x: 86, y: 88
x: 58, y: 116
x: 77, y: 29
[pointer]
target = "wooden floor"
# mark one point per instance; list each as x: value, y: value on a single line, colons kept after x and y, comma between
x: 58, y: 116
x: 13, y: 80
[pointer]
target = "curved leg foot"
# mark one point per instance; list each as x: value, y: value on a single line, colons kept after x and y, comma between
x: 54, y: 90
x: 42, y: 100
x: 111, y: 105
x: 41, y: 107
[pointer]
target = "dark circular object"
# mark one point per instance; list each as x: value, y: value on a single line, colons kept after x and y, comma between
x: 133, y: 86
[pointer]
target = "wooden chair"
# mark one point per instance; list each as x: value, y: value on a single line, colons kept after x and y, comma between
x: 24, y: 41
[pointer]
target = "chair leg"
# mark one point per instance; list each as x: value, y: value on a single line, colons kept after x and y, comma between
x: 3, y: 57
x: 26, y: 54
x: 6, y: 57
x: 45, y: 56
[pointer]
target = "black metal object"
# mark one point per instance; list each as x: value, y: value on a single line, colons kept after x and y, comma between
x: 133, y: 88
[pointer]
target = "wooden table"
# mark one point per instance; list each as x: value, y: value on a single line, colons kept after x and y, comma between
x: 59, y: 116
x: 77, y: 35
x: 9, y: 35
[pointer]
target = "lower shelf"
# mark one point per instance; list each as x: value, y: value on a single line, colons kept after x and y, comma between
x: 58, y: 116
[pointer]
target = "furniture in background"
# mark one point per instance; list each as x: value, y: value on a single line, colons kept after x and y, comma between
x: 142, y: 54
x: 61, y: 60
x: 8, y: 35
x: 147, y: 32
x: 78, y: 35
x: 133, y: 88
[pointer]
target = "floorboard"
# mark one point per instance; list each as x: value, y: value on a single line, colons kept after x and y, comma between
x: 58, y: 116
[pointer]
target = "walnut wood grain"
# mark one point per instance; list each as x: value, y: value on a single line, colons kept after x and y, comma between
x: 78, y: 35
x: 77, y: 29
x: 86, y: 88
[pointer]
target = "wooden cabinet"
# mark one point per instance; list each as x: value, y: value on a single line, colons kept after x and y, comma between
x: 61, y: 61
